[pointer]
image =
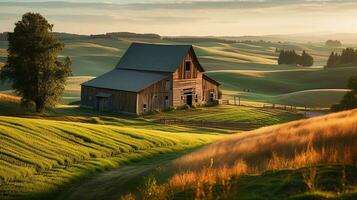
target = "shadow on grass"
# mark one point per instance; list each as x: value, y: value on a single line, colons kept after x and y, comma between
x: 110, y: 183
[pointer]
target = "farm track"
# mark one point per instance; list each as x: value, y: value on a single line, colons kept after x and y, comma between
x: 114, y: 183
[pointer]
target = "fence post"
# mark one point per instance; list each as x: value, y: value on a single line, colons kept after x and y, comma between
x: 239, y: 101
x: 234, y: 100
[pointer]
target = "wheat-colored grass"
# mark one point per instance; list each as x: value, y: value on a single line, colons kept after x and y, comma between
x: 9, y: 98
x: 326, y: 139
x: 322, y: 140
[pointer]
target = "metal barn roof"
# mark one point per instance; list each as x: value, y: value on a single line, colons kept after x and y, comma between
x: 126, y: 80
x: 153, y: 57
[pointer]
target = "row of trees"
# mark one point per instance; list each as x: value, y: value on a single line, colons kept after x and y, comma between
x: 347, y: 57
x: 290, y: 57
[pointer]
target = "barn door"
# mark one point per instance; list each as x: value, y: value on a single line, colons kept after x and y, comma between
x: 103, y: 104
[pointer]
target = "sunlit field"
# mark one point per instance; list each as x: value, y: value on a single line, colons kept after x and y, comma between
x: 238, y: 67
x: 307, y: 151
x: 38, y: 156
x: 229, y: 116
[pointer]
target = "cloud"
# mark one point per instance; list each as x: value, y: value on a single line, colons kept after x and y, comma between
x: 190, y: 17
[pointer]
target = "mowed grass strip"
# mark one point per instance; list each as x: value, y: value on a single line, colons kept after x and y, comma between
x: 37, y: 155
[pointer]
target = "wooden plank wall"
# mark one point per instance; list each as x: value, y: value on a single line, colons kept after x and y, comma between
x: 209, y: 87
x: 120, y: 101
x: 154, y: 97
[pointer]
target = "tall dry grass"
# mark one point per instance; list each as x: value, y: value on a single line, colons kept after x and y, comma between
x: 8, y: 97
x: 327, y: 139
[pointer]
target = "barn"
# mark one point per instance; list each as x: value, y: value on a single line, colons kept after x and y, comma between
x: 151, y: 77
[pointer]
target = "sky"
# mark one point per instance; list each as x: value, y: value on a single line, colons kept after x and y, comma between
x: 189, y: 17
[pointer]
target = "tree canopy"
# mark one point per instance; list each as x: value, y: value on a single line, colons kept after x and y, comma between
x: 348, y: 57
x: 33, y: 67
x: 290, y: 57
x: 333, y: 43
x: 349, y: 100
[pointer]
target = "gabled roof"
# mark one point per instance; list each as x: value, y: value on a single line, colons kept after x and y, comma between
x: 126, y: 80
x: 153, y: 57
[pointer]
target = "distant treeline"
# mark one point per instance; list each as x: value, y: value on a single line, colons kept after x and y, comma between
x: 69, y: 36
x: 348, y: 57
x: 117, y: 35
x: 3, y: 36
x: 290, y: 57
x: 333, y: 43
x: 123, y: 35
x: 197, y: 39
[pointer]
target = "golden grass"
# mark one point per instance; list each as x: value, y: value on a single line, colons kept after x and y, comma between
x: 8, y: 97
x: 327, y: 139
x: 322, y: 140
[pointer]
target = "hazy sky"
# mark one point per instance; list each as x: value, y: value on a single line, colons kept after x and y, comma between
x: 189, y: 17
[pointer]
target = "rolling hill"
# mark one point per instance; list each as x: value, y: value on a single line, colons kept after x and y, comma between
x: 306, y: 159
x: 39, y: 156
x: 238, y: 66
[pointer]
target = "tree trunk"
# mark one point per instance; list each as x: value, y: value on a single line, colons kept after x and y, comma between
x: 40, y: 106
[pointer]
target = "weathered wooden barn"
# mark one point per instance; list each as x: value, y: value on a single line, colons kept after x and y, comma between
x: 151, y: 77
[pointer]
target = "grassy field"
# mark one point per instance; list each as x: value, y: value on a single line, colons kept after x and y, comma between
x: 62, y: 149
x: 237, y: 66
x: 306, y: 159
x: 39, y: 156
x: 238, y: 117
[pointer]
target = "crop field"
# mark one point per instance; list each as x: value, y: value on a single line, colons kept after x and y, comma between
x: 306, y: 159
x: 39, y: 156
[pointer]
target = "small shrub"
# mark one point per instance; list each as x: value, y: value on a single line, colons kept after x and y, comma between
x: 152, y: 190
x: 183, y: 107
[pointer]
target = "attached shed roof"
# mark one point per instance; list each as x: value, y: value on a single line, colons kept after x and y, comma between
x: 211, y: 80
x: 153, y: 57
x: 126, y: 80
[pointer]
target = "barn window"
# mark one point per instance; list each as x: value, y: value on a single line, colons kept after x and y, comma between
x: 144, y: 107
x: 187, y: 69
x: 167, y: 98
x: 196, y: 98
x: 187, y: 66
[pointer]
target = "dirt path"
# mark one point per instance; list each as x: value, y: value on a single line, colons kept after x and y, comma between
x: 114, y: 183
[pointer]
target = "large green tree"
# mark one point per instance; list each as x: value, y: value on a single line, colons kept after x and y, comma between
x: 33, y: 67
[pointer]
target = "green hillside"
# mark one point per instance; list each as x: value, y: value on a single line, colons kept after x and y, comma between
x: 236, y: 117
x: 305, y: 159
x: 40, y: 156
x: 237, y: 66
